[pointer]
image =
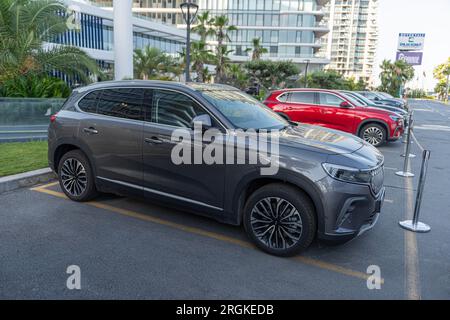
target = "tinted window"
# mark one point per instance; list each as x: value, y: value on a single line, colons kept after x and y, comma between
x: 284, y: 97
x: 243, y: 111
x: 175, y: 109
x: 121, y: 103
x: 303, y: 97
x: 329, y: 99
x: 89, y: 102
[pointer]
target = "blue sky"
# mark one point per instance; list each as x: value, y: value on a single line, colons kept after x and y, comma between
x: 431, y: 17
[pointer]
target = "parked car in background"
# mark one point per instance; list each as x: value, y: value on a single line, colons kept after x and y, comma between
x: 117, y: 137
x: 332, y: 109
x: 369, y: 103
x: 377, y: 97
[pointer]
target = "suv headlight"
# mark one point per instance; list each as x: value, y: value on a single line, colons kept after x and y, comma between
x: 348, y: 174
x: 395, y: 118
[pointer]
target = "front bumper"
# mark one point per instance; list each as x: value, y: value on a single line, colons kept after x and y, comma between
x: 396, y: 130
x: 349, y: 209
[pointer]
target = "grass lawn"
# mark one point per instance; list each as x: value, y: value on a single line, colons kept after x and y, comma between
x: 17, y: 157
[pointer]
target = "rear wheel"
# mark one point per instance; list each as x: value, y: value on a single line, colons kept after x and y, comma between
x: 374, y: 134
x: 76, y: 177
x: 280, y: 219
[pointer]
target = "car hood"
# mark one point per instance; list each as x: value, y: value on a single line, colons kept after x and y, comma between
x: 380, y: 110
x: 328, y: 140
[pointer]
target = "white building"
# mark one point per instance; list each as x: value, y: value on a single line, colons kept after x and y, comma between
x: 352, y: 41
x: 92, y: 31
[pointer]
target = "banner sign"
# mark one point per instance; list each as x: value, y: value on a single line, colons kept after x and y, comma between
x: 412, y: 58
x: 411, y: 41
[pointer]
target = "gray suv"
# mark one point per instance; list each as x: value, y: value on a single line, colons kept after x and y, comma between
x: 117, y: 137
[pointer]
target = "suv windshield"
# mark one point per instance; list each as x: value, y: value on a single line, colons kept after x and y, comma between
x: 386, y: 95
x: 363, y: 99
x: 243, y: 111
x: 352, y: 99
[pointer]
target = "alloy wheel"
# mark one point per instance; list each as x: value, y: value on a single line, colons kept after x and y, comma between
x: 73, y: 177
x: 373, y: 135
x: 276, y: 223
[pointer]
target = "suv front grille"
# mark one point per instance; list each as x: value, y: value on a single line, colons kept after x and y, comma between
x: 376, y: 183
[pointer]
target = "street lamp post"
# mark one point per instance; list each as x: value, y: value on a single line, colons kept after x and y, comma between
x: 306, y: 73
x: 188, y: 17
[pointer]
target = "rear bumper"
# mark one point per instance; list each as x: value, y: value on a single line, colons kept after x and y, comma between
x: 350, y: 210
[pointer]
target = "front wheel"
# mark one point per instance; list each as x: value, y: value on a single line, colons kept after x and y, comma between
x: 374, y: 134
x: 280, y: 219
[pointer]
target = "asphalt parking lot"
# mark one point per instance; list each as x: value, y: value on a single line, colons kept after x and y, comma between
x: 129, y: 249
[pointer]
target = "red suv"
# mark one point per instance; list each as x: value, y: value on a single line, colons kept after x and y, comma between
x: 336, y: 110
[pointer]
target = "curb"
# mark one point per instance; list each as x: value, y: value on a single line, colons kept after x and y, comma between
x: 26, y: 179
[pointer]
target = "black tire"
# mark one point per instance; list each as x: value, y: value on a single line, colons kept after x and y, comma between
x: 373, y: 133
x: 85, y: 177
x: 303, y: 208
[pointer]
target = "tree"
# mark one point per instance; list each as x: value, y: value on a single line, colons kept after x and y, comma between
x: 237, y: 76
x: 203, y: 27
x: 257, y: 49
x: 201, y: 55
x: 442, y: 73
x: 361, y: 85
x: 221, y: 29
x: 271, y: 74
x: 26, y: 26
x: 327, y: 79
x: 152, y: 63
x: 393, y: 76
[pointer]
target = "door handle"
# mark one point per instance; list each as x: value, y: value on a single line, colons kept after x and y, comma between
x: 90, y: 130
x: 153, y: 140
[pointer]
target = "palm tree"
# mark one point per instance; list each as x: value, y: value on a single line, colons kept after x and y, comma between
x: 258, y: 50
x: 203, y: 27
x: 26, y: 28
x: 222, y: 62
x: 394, y: 75
x: 201, y: 55
x: 149, y: 62
x: 237, y: 76
x: 221, y: 29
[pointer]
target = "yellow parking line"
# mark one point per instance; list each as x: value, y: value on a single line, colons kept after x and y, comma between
x: 305, y: 260
x: 45, y: 185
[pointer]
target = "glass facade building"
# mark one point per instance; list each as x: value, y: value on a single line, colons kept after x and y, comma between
x: 93, y: 31
x: 288, y: 29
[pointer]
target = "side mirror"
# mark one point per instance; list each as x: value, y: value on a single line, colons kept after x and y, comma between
x: 345, y: 104
x: 204, y: 120
x: 376, y: 99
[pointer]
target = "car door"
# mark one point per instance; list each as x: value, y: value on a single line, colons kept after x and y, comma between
x: 111, y: 129
x: 333, y: 115
x: 200, y: 184
x: 301, y: 106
